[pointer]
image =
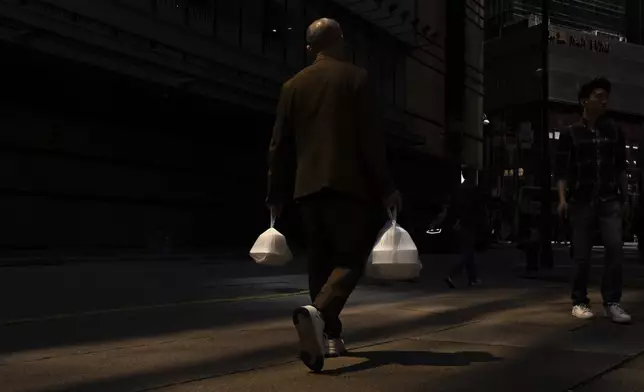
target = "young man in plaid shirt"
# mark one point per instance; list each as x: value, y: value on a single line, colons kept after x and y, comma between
x: 591, y: 164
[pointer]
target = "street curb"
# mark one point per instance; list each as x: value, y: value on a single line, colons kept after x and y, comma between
x: 36, y: 260
x: 27, y: 261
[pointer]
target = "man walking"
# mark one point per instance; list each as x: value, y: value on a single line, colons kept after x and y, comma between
x: 327, y: 122
x: 469, y: 209
x: 591, y: 163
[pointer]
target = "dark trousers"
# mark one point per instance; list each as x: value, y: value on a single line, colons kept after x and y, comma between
x: 531, y: 246
x: 340, y: 237
x: 584, y: 217
x: 532, y: 250
x: 467, y: 243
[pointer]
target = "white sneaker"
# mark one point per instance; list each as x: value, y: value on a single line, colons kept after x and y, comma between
x: 617, y: 314
x: 335, y: 348
x: 310, y: 328
x: 582, y: 312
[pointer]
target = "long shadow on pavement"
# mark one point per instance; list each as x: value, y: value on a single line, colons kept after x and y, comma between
x: 83, y: 329
x: 412, y: 358
x: 280, y: 354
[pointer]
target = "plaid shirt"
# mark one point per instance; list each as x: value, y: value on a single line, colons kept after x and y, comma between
x: 591, y: 160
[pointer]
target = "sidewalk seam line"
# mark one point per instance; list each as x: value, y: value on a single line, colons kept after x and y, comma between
x: 149, y: 307
x: 287, y: 362
x: 609, y: 370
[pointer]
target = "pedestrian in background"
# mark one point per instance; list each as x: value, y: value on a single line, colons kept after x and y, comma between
x: 328, y: 123
x: 591, y: 164
x: 638, y: 213
x: 530, y: 243
x: 469, y: 210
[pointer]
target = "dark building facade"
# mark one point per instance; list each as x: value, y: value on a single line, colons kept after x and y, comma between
x: 635, y: 21
x: 145, y: 123
x: 607, y: 16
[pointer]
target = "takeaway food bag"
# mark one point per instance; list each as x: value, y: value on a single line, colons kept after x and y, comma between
x: 271, y: 248
x: 395, y: 256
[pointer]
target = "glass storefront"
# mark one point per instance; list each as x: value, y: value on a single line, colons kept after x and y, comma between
x: 515, y: 156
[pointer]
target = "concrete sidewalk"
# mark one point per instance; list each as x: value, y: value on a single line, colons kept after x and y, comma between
x: 521, y: 345
x: 488, y: 339
x: 199, y: 327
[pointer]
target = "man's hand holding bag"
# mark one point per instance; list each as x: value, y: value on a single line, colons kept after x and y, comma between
x: 395, y: 256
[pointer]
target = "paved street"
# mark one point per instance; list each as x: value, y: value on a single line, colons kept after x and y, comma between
x: 204, y: 324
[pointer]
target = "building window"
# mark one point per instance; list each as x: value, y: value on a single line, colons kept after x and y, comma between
x: 227, y: 22
x: 174, y: 11
x: 295, y: 25
x: 203, y: 5
x: 276, y: 29
x: 182, y: 11
x: 201, y: 16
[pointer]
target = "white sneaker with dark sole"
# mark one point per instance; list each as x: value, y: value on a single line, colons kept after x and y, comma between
x: 617, y: 314
x: 335, y: 348
x: 310, y: 328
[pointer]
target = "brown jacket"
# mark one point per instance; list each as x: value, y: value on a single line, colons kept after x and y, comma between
x: 328, y: 123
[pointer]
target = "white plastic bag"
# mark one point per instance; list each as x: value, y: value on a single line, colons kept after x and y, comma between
x: 395, y: 256
x: 271, y: 248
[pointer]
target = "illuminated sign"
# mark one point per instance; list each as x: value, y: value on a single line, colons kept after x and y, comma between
x: 581, y: 41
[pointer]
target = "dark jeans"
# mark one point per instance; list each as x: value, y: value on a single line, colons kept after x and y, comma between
x: 340, y: 237
x: 530, y: 244
x: 532, y: 250
x: 467, y: 242
x: 584, y: 217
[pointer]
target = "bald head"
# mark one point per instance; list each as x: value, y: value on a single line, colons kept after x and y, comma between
x: 323, y: 35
